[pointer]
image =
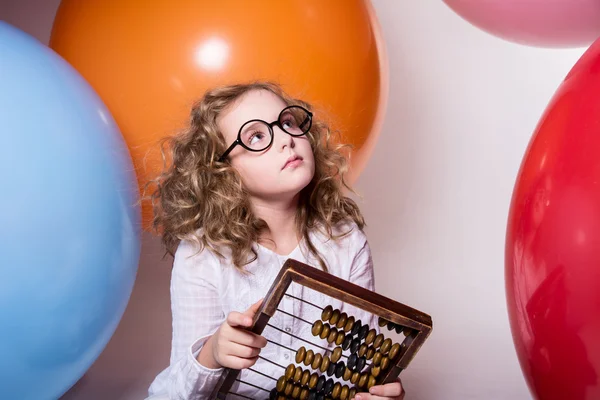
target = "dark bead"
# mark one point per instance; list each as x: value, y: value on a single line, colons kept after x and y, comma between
x: 339, y: 369
x: 356, y: 328
x: 360, y: 364
x: 331, y: 369
x: 273, y: 394
x: 320, y: 383
x: 347, y: 341
x: 312, y: 395
x: 355, y: 345
x: 328, y: 386
x: 352, y: 360
x: 363, y: 332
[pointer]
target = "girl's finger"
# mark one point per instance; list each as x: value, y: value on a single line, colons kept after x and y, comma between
x: 393, y: 389
x: 241, y: 351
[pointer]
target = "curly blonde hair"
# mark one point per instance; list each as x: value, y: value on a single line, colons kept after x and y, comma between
x: 201, y: 199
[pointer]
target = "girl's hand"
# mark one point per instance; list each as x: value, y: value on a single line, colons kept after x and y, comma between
x: 232, y: 345
x: 389, y: 391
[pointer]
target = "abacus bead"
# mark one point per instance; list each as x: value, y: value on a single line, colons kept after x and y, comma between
x: 317, y: 361
x: 381, y: 322
x: 326, y: 314
x: 331, y: 369
x: 371, y: 382
x: 312, y: 395
x: 296, y: 391
x: 391, y: 326
x: 332, y: 335
x: 328, y: 386
x: 339, y: 369
x: 281, y: 397
x: 370, y: 336
x: 325, y: 331
x: 354, y: 345
x: 273, y: 394
x: 314, y: 378
x: 347, y: 374
x: 344, y: 392
x: 347, y: 341
x: 360, y: 364
x: 394, y: 351
x: 304, y: 394
x: 362, y: 381
x: 324, y: 364
x: 385, y: 363
x: 288, y: 389
x: 375, y: 371
x: 320, y: 383
x: 300, y: 355
x: 337, y: 354
x: 320, y: 396
x: 352, y: 393
x: 363, y: 332
x: 399, y: 328
x: 339, y: 339
x: 377, y: 358
x: 298, y: 374
x: 362, y: 350
x: 349, y: 324
x: 337, y: 388
x: 310, y: 355
x: 406, y: 331
x: 280, y: 386
x: 385, y: 346
x: 356, y: 328
x: 370, y: 353
x: 355, y: 376
x: 317, y: 328
x: 289, y: 371
x: 305, y: 377
x: 378, y: 340
x: 342, y: 320
x: 334, y: 317
x: 352, y: 360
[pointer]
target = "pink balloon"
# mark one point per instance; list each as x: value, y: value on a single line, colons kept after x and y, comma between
x: 544, y: 23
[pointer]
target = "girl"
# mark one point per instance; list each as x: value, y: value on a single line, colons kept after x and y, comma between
x: 252, y: 182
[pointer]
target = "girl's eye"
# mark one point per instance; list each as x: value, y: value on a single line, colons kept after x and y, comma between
x: 255, y: 137
x: 289, y: 123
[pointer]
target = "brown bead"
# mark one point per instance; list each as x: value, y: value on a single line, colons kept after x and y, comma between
x: 281, y: 383
x: 312, y: 382
x: 310, y: 355
x: 297, y: 374
x: 339, y: 339
x: 336, y: 355
x: 382, y: 322
x: 375, y: 371
x: 342, y: 321
x: 324, y: 364
x: 317, y: 361
x: 371, y: 336
x: 362, y: 381
x: 347, y: 374
x: 334, y: 317
x: 304, y: 394
x: 378, y: 340
x: 385, y: 346
x: 296, y: 391
x: 281, y: 397
x: 370, y: 352
x: 349, y: 324
x: 407, y: 331
x: 337, y: 388
x: 288, y: 389
x: 305, y: 377
x: 325, y: 331
x: 394, y: 351
x: 377, y: 358
x: 371, y: 381
x: 326, y: 314
x: 332, y: 335
x: 362, y: 350
x: 317, y: 328
x: 385, y: 363
x: 289, y: 371
x: 344, y: 393
x: 352, y: 393
x: 354, y: 377
x: 300, y: 354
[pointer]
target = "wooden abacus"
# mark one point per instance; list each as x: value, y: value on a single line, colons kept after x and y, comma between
x: 387, y: 360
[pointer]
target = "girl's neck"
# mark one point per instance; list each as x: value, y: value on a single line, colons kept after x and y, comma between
x: 280, y: 217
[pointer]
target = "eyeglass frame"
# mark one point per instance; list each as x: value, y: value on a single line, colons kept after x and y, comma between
x: 270, y: 126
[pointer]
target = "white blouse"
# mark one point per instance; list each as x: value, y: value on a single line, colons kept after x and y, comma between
x: 205, y: 289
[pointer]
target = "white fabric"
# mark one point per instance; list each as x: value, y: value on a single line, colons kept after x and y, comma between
x: 204, y: 289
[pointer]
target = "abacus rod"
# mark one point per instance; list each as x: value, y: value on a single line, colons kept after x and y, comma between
x: 250, y: 384
x: 260, y: 373
x: 305, y: 301
x: 294, y: 316
x: 241, y: 395
x: 272, y: 362
x: 299, y: 338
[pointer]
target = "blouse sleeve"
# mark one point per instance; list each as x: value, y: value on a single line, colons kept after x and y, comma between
x: 197, y: 314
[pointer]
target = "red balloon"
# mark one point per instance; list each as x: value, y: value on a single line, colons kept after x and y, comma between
x: 553, y: 243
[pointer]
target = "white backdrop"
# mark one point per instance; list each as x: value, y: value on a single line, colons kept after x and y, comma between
x: 436, y: 193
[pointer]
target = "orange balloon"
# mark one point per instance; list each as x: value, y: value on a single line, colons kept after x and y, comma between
x: 149, y: 61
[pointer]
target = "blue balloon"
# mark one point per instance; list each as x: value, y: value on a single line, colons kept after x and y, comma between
x: 70, y: 221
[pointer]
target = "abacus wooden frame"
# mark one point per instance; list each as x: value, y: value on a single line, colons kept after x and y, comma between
x: 374, y: 303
